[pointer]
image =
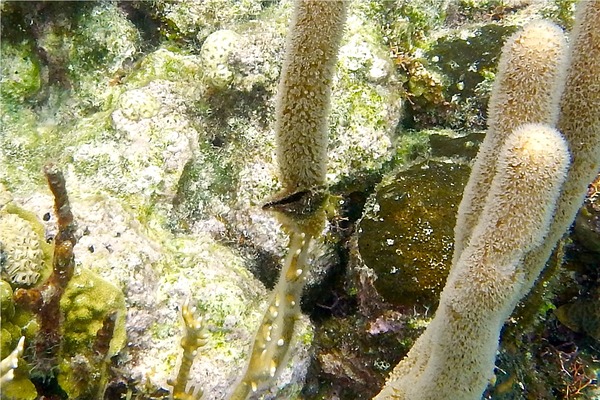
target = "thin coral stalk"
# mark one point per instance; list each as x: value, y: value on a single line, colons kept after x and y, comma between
x: 45, y: 301
x: 195, y: 337
x: 272, y: 342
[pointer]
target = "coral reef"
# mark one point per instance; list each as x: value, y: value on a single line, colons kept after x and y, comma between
x: 162, y: 121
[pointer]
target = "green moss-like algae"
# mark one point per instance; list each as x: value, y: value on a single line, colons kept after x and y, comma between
x: 407, y: 236
x: 19, y: 72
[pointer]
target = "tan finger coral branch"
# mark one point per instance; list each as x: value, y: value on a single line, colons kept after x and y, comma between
x: 456, y: 354
x: 528, y: 85
x: 304, y: 89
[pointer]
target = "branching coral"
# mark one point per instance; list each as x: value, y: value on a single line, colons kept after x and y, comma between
x: 195, y: 337
x: 45, y: 301
x: 301, y: 132
x: 80, y: 316
x: 505, y: 235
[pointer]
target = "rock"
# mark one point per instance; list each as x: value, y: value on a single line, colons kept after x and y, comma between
x: 582, y: 315
x: 406, y: 234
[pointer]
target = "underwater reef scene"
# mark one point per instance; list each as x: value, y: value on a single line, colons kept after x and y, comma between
x: 300, y: 199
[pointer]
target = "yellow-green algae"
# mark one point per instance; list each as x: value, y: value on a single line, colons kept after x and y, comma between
x: 406, y: 236
x: 20, y: 76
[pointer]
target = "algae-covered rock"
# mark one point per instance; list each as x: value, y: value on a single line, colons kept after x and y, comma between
x: 582, y: 315
x: 405, y: 24
x: 355, y: 351
x: 102, y: 42
x: 140, y: 149
x: 215, y: 52
x: 366, y: 103
x: 78, y: 45
x: 465, y: 60
x: 20, y: 76
x: 171, y: 64
x: 406, y: 235
x: 561, y: 12
x: 184, y: 20
x: 156, y: 272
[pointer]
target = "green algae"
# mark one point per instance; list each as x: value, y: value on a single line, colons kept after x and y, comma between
x: 21, y: 143
x: 561, y: 12
x: 7, y: 304
x: 406, y: 24
x: 467, y: 57
x: 208, y: 177
x: 407, y: 236
x: 411, y: 145
x: 15, y: 323
x: 20, y: 78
